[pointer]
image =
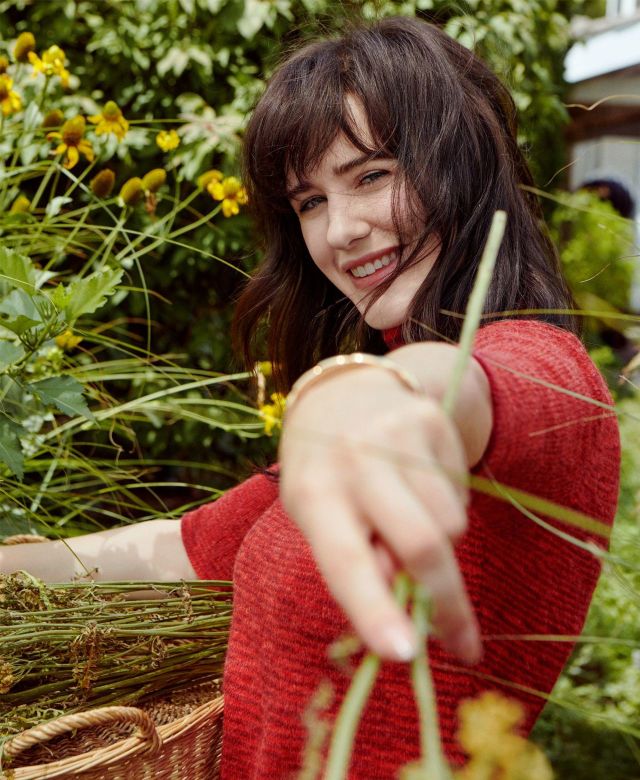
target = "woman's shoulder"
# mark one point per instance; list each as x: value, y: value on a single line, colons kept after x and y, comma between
x: 540, y: 350
x: 526, y: 331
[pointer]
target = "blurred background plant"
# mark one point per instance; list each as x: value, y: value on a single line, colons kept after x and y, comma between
x: 74, y: 233
x: 119, y: 267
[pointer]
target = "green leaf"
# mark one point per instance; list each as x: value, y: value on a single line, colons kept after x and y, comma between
x: 87, y: 295
x: 21, y: 310
x: 10, y: 447
x: 63, y: 392
x: 59, y: 297
x: 9, y: 353
x: 17, y: 270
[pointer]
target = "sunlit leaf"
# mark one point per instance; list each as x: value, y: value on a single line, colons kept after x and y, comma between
x: 88, y: 294
x: 17, y: 270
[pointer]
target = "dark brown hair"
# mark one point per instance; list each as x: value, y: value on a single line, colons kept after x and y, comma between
x: 450, y: 123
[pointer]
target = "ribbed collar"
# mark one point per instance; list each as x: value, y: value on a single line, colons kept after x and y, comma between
x: 393, y: 337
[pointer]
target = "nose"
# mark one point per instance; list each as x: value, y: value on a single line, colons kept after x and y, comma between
x: 347, y: 221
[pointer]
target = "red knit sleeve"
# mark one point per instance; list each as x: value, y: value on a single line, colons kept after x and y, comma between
x: 550, y: 440
x: 213, y: 533
x: 545, y: 439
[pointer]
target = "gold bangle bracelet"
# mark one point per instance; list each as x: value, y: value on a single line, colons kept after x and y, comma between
x: 340, y: 362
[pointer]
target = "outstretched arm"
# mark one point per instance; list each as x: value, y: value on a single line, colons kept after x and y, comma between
x: 152, y: 550
x: 373, y: 475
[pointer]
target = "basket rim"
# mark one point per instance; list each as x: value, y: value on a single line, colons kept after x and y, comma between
x: 126, y: 748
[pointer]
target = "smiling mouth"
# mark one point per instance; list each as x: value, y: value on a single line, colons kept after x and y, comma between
x: 370, y: 268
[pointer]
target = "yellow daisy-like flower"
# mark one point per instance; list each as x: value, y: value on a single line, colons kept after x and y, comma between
x: 73, y: 141
x: 67, y: 340
x: 487, y: 733
x: 265, y: 368
x: 110, y: 121
x: 25, y: 43
x: 232, y: 194
x: 102, y: 183
x: 154, y: 179
x: 272, y: 413
x: 212, y: 175
x: 484, y: 721
x: 53, y: 118
x: 4, y: 63
x: 132, y: 191
x: 10, y: 101
x: 51, y: 64
x: 168, y: 140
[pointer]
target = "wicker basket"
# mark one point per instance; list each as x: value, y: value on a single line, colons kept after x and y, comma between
x: 179, y: 737
x: 187, y: 748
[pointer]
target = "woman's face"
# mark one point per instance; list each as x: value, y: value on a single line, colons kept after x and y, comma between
x: 345, y: 211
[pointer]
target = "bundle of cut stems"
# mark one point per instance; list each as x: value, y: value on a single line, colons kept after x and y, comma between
x: 67, y: 647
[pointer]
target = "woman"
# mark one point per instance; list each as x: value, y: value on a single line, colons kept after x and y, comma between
x: 375, y: 162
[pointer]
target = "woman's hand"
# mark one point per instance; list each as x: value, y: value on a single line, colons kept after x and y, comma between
x: 374, y: 477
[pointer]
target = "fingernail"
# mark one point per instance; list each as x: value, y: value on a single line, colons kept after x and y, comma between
x: 401, y: 643
x: 469, y: 646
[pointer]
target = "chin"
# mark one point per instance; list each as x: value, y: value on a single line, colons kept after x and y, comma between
x: 383, y: 320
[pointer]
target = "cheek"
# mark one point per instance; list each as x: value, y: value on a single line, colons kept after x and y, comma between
x: 315, y: 241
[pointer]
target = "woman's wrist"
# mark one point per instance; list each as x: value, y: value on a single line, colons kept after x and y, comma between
x: 343, y: 363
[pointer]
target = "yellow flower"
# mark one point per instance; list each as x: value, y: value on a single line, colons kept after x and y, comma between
x: 67, y: 340
x: 102, y: 183
x: 10, y: 101
x: 110, y: 121
x: 487, y: 733
x: 205, y: 179
x: 153, y: 180
x: 132, y: 191
x: 25, y: 44
x: 265, y: 368
x: 53, y: 118
x: 485, y: 720
x: 20, y: 205
x: 51, y: 64
x: 168, y: 140
x: 231, y: 192
x: 272, y: 413
x: 4, y: 63
x: 73, y: 142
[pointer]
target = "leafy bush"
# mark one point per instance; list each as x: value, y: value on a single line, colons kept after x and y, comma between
x: 68, y: 242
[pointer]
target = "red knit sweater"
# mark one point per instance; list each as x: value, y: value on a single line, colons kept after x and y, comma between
x: 520, y: 577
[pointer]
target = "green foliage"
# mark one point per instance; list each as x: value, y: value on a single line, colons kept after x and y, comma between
x: 199, y: 66
x: 596, y: 248
x: 31, y: 316
x: 599, y: 693
x: 71, y: 262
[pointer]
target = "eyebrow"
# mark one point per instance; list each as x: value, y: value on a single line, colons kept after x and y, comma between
x: 340, y: 170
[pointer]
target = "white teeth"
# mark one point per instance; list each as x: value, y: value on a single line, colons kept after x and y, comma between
x: 369, y: 268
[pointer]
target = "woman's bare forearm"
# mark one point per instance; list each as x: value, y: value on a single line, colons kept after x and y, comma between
x: 151, y: 550
x: 433, y: 364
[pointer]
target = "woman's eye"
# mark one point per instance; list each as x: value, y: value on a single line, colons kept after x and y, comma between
x: 369, y: 178
x: 309, y: 204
